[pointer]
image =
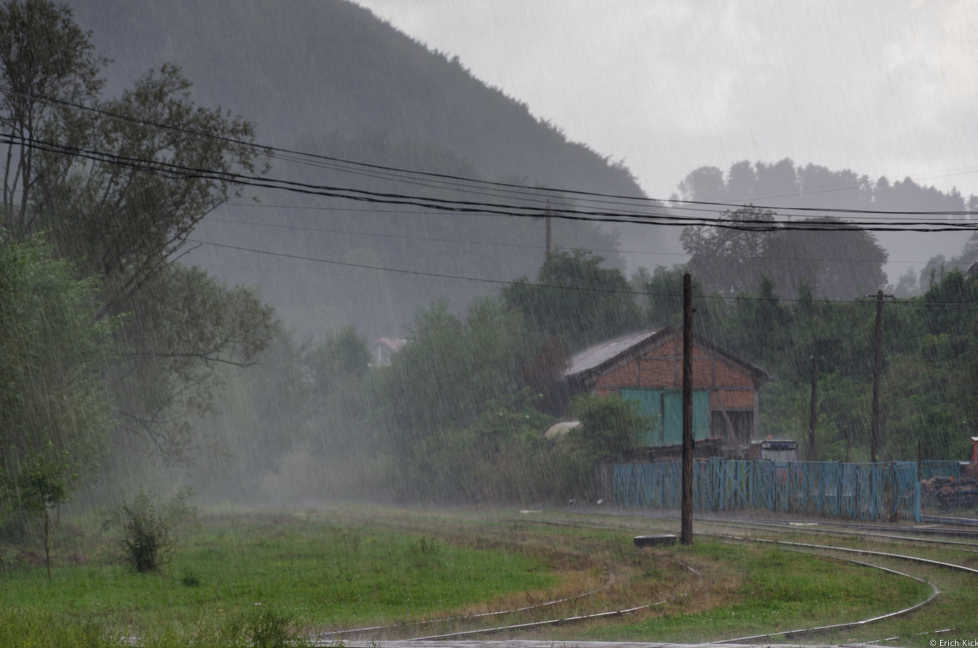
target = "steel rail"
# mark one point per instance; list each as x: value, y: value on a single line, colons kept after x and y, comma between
x: 821, y: 551
x: 851, y: 624
x: 867, y: 552
x: 334, y: 633
x: 809, y: 548
x: 533, y: 624
x: 965, y: 546
x: 824, y: 527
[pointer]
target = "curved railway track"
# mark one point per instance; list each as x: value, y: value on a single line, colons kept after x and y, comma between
x: 731, y: 530
x: 937, y: 526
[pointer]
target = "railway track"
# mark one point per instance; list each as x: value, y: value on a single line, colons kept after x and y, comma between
x: 728, y: 529
x: 962, y: 528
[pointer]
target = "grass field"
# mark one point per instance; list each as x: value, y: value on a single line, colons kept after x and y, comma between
x: 265, y: 577
x: 769, y: 590
x: 311, y: 568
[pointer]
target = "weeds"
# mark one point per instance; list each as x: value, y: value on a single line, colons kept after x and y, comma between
x: 270, y: 629
x: 190, y: 577
x: 147, y: 525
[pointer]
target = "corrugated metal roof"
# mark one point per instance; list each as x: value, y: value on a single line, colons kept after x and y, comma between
x: 593, y: 356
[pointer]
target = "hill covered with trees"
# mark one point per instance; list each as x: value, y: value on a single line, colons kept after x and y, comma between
x: 330, y: 78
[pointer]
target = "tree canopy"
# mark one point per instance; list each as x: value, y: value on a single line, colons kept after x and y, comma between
x: 576, y: 299
x: 836, y: 259
x: 53, y: 401
x: 117, y: 186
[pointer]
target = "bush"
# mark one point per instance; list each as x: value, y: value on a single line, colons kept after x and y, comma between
x: 270, y: 629
x: 610, y: 425
x: 147, y: 525
x: 190, y: 578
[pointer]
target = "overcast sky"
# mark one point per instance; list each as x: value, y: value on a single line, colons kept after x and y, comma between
x: 882, y: 87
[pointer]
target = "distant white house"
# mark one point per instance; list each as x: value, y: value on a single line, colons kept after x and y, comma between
x: 383, y: 348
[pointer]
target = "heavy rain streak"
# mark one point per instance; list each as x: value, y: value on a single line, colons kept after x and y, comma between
x: 344, y: 323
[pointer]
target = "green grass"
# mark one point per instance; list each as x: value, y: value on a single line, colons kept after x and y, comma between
x: 769, y: 590
x: 360, y: 567
x: 313, y: 571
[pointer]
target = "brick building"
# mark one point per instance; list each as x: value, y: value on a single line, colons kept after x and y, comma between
x: 648, y: 367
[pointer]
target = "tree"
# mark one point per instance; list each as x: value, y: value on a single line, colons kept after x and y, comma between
x: 665, y: 301
x: 838, y: 260
x: 544, y: 376
x: 117, y: 186
x: 46, y: 480
x: 127, y: 222
x: 181, y: 327
x: 452, y: 366
x: 732, y: 259
x: 341, y: 356
x: 42, y: 54
x: 576, y: 299
x: 54, y: 404
x: 969, y: 255
x: 610, y: 426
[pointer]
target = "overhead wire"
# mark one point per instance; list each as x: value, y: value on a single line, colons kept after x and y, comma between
x: 509, y: 282
x: 175, y: 171
x: 654, y: 202
x: 180, y: 171
x: 301, y: 228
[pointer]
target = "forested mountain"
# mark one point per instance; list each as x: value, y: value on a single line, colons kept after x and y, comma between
x: 328, y: 77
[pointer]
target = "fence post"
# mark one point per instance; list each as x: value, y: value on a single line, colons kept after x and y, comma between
x: 916, y: 498
x: 838, y: 490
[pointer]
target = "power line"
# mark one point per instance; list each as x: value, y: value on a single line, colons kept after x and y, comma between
x: 505, y: 282
x: 299, y: 228
x: 176, y: 172
x: 652, y: 202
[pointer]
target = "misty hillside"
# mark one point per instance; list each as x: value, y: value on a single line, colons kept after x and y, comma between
x: 802, y: 190
x: 311, y: 65
x: 328, y: 77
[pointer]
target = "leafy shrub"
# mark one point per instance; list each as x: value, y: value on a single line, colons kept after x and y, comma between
x: 147, y: 525
x: 190, y: 578
x: 269, y: 629
x: 610, y: 426
x: 26, y: 627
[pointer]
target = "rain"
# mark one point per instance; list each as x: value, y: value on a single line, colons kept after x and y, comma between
x: 332, y: 321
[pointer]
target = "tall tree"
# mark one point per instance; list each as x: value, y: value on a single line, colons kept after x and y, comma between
x: 732, y: 259
x: 54, y: 405
x: 836, y: 259
x: 42, y: 54
x: 576, y: 299
x: 117, y: 186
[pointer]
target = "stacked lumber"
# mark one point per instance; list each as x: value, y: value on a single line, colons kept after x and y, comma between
x: 949, y: 492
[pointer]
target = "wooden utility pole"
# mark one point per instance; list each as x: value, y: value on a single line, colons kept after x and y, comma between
x: 547, y: 218
x: 874, y: 431
x: 547, y: 213
x: 812, y: 416
x: 687, y: 485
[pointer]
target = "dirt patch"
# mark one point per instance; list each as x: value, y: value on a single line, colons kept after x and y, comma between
x: 76, y: 558
x: 29, y: 558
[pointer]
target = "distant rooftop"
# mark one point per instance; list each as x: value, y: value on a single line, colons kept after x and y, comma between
x: 594, y: 356
x: 394, y: 344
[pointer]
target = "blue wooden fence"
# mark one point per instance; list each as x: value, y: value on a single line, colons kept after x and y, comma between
x: 846, y: 490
